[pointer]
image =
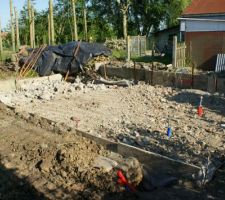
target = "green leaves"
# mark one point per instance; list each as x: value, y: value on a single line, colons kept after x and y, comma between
x: 104, y: 18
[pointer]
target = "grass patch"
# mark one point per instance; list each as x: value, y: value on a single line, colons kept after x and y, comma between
x: 32, y: 74
x: 6, y: 55
x: 119, y: 54
x: 122, y: 55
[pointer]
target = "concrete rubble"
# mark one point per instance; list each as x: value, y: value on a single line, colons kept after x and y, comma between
x: 45, y: 88
x: 138, y: 115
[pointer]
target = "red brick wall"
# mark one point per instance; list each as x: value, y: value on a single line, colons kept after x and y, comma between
x: 202, y: 48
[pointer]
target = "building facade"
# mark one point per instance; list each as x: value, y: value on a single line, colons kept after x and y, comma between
x: 203, y: 25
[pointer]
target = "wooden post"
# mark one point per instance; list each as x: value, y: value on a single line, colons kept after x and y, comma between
x: 139, y: 46
x: 1, y: 47
x: 17, y: 29
x: 128, y: 48
x: 74, y: 20
x: 33, y: 26
x: 193, y: 67
x: 12, y: 26
x: 52, y: 29
x: 175, y: 51
x: 85, y: 23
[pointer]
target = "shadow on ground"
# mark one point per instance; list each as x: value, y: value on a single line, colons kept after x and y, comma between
x: 158, y: 142
x: 12, y: 187
x: 212, y: 102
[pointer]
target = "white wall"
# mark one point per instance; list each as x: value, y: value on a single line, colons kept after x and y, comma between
x: 201, y: 25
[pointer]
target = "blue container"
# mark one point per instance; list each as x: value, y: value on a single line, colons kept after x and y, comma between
x: 169, y: 132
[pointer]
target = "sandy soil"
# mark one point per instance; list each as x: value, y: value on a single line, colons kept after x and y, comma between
x: 140, y: 115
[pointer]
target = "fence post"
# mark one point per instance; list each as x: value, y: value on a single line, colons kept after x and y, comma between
x: 139, y: 46
x: 175, y: 51
x: 128, y: 48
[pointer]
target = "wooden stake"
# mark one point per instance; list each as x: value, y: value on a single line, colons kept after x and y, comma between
x: 12, y: 26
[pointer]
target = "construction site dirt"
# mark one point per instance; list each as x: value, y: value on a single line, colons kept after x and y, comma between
x: 38, y: 164
x: 136, y: 115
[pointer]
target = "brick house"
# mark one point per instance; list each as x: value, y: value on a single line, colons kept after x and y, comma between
x: 203, y: 27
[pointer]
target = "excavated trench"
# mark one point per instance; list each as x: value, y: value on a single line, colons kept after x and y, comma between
x: 41, y: 159
x: 45, y: 159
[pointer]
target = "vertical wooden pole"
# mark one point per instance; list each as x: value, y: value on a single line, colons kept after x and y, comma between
x: 30, y: 23
x: 175, y: 51
x: 12, y: 26
x: 128, y: 48
x: 1, y: 47
x: 74, y: 20
x: 17, y: 29
x: 49, y: 30
x: 52, y: 29
x: 33, y: 26
x: 124, y: 12
x: 85, y: 23
x: 139, y: 46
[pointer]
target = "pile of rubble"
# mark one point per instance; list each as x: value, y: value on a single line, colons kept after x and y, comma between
x: 46, y: 88
x: 116, y: 44
x: 157, y: 66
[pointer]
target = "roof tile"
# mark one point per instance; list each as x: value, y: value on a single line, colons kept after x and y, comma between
x: 205, y: 7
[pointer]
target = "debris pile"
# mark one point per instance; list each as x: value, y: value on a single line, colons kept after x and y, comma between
x: 68, y: 59
x: 116, y: 44
x: 156, y: 66
x: 138, y: 116
x: 46, y: 89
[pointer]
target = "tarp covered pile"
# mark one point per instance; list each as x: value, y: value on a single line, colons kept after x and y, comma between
x: 70, y: 57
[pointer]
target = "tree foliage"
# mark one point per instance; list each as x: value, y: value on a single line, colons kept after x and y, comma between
x: 104, y: 18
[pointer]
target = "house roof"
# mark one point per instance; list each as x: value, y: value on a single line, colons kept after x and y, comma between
x: 201, y: 7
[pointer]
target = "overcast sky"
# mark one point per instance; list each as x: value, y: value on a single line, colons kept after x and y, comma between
x: 4, y: 8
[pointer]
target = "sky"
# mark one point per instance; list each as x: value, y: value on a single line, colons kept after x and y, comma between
x: 5, y: 12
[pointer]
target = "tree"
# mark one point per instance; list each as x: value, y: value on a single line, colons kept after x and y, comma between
x: 51, y: 23
x: 1, y: 48
x: 17, y: 29
x: 173, y: 9
x: 74, y: 19
x: 124, y: 6
x: 12, y: 26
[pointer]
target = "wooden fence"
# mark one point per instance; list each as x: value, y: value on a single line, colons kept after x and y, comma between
x: 179, y: 53
x: 136, y: 46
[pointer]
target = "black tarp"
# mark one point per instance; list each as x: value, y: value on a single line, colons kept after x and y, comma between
x: 61, y: 59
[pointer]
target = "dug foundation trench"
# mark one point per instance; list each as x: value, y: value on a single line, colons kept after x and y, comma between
x: 200, y: 81
x: 156, y: 163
